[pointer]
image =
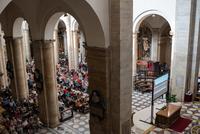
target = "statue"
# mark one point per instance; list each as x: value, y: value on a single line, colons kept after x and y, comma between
x: 145, y: 44
x: 97, y: 105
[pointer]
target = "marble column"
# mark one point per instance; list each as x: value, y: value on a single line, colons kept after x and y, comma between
x: 56, y: 44
x: 196, y: 52
x: 71, y: 49
x: 65, y: 43
x: 12, y: 80
x: 43, y: 52
x: 135, y: 53
x: 121, y: 66
x: 182, y: 49
x: 154, y: 44
x: 26, y: 42
x: 19, y: 68
x: 82, y: 48
x: 3, y: 71
x: 75, y: 49
x: 72, y: 45
x: 69, y: 44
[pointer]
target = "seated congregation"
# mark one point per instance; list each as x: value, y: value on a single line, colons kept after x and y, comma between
x: 22, y: 116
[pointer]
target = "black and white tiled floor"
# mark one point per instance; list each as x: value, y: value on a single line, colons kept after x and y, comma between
x: 79, y: 124
x: 76, y: 125
x: 189, y: 110
x: 142, y: 100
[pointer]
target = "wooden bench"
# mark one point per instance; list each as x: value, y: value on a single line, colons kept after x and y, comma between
x: 62, y: 114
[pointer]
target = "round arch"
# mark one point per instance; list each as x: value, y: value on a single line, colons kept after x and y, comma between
x: 74, y: 25
x: 4, y: 4
x: 144, y: 15
x: 17, y: 27
x: 136, y: 25
x: 61, y: 24
x: 51, y: 25
x: 85, y: 16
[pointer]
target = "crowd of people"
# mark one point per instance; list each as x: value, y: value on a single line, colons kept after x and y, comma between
x: 72, y: 86
x: 22, y: 116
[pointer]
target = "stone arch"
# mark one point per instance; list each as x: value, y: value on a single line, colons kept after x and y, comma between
x: 164, y: 27
x: 136, y: 25
x: 16, y: 18
x: 17, y: 27
x: 61, y: 24
x: 74, y: 25
x: 51, y: 25
x: 144, y: 15
x: 3, y: 4
x: 86, y: 18
x: 148, y: 25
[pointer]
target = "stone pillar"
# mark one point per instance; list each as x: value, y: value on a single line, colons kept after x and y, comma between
x: 65, y: 43
x: 18, y: 81
x: 12, y: 82
x: 182, y: 48
x: 3, y: 76
x: 19, y: 68
x: 196, y: 52
x: 70, y: 44
x: 135, y: 53
x: 71, y: 49
x: 48, y: 99
x: 26, y: 42
x: 121, y: 66
x: 154, y: 44
x: 56, y: 48
x: 82, y: 48
x: 75, y: 49
x: 98, y: 60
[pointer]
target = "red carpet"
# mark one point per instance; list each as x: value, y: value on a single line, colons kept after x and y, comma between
x: 180, y: 124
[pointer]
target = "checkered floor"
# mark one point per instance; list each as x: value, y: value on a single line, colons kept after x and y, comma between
x: 79, y: 124
x: 189, y: 110
x: 142, y: 100
x: 76, y: 125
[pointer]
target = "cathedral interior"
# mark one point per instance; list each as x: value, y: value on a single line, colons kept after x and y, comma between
x: 100, y: 67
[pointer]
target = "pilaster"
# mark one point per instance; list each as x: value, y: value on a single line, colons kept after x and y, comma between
x: 98, y: 60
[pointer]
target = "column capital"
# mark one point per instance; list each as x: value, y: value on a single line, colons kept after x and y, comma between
x: 155, y: 30
x: 8, y: 40
x: 43, y: 43
x: 26, y: 30
x: 99, y: 49
x: 17, y: 38
x: 135, y: 35
x: 8, y: 37
x: 75, y: 31
x: 136, y: 32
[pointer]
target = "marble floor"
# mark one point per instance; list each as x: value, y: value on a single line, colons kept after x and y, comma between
x: 79, y: 124
x: 189, y: 110
x: 76, y: 125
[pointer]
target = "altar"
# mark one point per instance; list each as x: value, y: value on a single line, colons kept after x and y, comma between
x: 167, y: 116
